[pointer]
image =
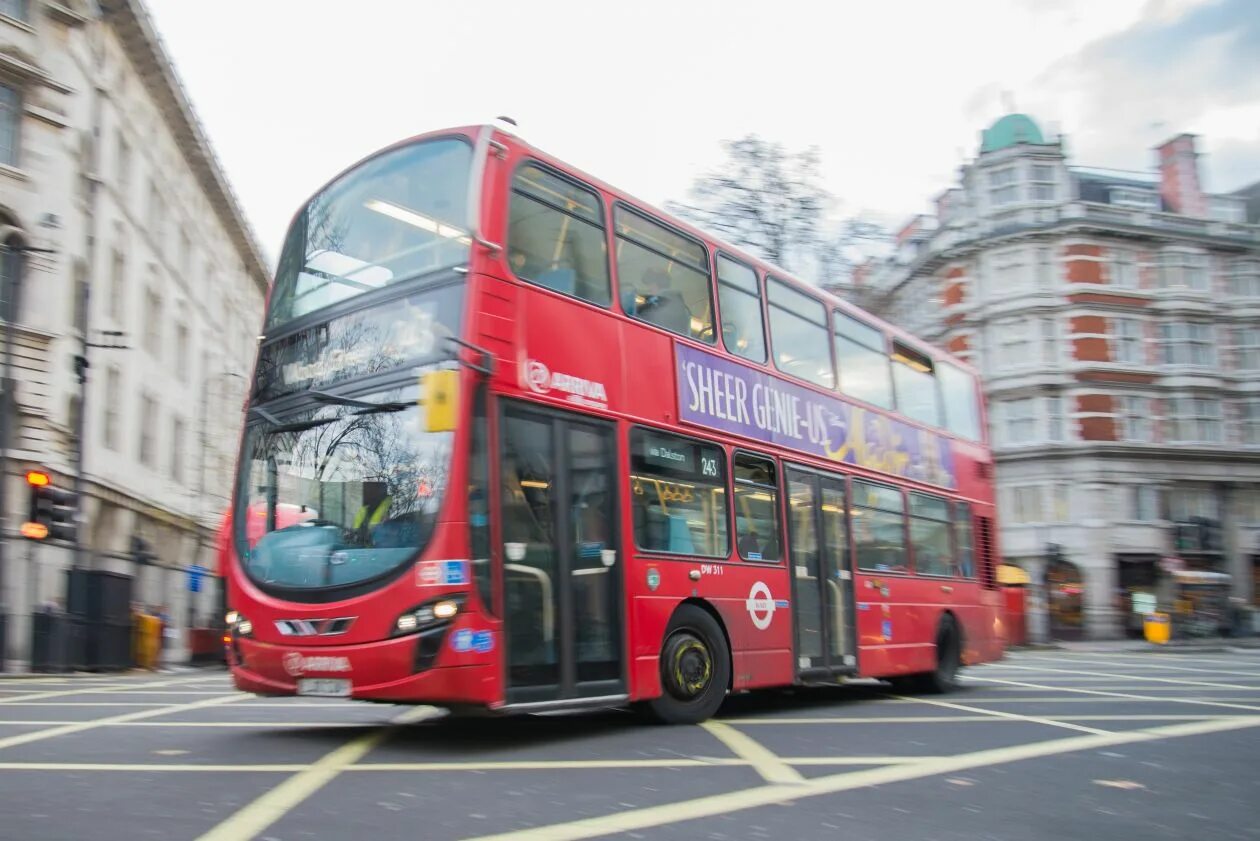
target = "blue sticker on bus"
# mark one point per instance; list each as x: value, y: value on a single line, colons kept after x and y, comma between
x: 483, y: 642
x: 887, y: 629
x: 780, y: 602
x: 462, y: 640
x: 863, y: 606
x: 754, y: 556
x: 453, y: 572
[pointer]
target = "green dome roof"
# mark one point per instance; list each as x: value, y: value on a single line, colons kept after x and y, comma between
x: 1011, y: 130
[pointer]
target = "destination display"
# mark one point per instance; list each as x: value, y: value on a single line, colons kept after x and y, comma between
x: 410, y: 331
x: 722, y: 394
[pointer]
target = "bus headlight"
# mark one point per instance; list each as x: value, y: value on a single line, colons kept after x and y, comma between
x: 238, y: 625
x: 428, y: 615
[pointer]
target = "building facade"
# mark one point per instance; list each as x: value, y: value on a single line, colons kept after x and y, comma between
x: 122, y: 244
x: 1115, y: 319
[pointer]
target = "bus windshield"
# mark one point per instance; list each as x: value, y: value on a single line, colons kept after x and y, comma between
x: 400, y: 215
x: 341, y: 493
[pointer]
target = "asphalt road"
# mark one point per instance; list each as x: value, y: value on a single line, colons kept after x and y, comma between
x: 1048, y: 745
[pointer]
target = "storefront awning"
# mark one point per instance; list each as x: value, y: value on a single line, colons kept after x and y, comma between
x: 1009, y: 574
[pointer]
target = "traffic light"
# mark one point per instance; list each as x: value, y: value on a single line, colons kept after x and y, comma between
x: 52, y: 509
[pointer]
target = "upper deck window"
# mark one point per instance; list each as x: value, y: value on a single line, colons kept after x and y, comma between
x: 798, y: 330
x: 664, y: 276
x: 915, y: 382
x: 863, y: 361
x: 958, y: 392
x: 740, y: 296
x: 556, y: 238
x: 398, y: 216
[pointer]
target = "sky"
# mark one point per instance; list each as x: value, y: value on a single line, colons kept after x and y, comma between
x: 893, y: 93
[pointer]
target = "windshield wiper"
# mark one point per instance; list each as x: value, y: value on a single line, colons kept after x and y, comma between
x: 370, y: 407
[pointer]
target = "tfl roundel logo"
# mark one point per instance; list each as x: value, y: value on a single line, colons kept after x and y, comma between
x: 537, y: 377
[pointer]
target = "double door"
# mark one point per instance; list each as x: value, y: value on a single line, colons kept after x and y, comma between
x: 561, y: 570
x: 822, y: 581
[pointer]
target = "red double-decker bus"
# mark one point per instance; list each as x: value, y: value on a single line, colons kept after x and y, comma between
x: 517, y: 441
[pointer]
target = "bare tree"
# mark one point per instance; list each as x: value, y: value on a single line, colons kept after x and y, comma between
x: 764, y: 198
x: 855, y: 241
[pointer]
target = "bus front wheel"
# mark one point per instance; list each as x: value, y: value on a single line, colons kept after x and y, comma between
x: 695, y: 668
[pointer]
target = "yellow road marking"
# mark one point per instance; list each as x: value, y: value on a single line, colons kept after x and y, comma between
x: 1028, y: 719
x: 80, y: 726
x: 763, y: 760
x: 279, y: 801
x: 721, y: 804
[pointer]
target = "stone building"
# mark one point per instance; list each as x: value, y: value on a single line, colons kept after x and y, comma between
x: 119, y: 230
x: 1115, y: 318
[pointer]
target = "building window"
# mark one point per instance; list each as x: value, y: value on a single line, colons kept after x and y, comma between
x: 1183, y: 270
x: 1014, y: 344
x: 157, y: 218
x: 1017, y: 423
x: 185, y: 255
x: 109, y: 423
x: 1043, y: 182
x: 16, y: 9
x: 1009, y: 273
x: 1247, y: 348
x: 153, y: 323
x: 1144, y: 503
x: 177, y: 449
x: 1187, y: 502
x: 1187, y: 343
x: 1244, y: 278
x: 1026, y: 505
x: 10, y: 125
x: 1249, y: 422
x: 124, y: 163
x: 181, y: 350
x: 1060, y: 503
x: 1126, y: 341
x: 148, y: 419
x: 1124, y: 270
x: 1135, y: 419
x: 1004, y: 186
x: 1054, y: 418
x: 1045, y: 268
x: 1194, y: 420
x: 1049, y: 340
x: 117, y: 286
x: 1144, y: 199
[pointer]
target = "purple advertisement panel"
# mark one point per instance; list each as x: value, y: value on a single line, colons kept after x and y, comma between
x: 722, y: 394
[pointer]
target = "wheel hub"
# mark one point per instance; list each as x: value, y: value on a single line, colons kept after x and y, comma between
x: 692, y: 668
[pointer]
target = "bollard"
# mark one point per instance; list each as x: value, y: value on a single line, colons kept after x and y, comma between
x: 1157, y: 628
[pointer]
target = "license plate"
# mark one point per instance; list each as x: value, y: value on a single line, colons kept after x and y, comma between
x: 324, y: 686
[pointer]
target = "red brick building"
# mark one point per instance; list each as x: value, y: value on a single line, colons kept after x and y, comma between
x: 1115, y: 317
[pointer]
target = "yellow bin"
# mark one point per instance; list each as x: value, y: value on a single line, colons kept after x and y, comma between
x: 1157, y: 628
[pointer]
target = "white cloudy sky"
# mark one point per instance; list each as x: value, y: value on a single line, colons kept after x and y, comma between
x: 893, y: 92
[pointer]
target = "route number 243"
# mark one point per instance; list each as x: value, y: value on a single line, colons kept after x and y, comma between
x: 708, y: 466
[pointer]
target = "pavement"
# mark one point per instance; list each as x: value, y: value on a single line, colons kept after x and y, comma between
x: 1043, y: 745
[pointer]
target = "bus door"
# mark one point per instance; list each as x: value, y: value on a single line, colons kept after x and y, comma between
x: 561, y: 573
x: 822, y: 579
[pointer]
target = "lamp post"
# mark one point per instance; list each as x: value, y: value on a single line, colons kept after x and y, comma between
x: 215, y: 378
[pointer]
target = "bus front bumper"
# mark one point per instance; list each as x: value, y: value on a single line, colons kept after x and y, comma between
x: 402, y: 670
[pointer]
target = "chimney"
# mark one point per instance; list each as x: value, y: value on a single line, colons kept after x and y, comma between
x: 1179, y: 177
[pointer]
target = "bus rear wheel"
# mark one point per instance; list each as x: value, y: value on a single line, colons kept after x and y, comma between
x: 695, y: 668
x: 944, y: 678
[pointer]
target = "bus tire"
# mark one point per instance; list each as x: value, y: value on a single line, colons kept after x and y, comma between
x: 695, y: 668
x: 944, y: 678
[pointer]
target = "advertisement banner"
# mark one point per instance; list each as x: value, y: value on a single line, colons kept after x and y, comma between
x: 722, y: 394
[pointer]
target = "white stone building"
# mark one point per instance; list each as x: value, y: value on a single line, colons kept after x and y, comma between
x: 1115, y: 318
x: 108, y: 185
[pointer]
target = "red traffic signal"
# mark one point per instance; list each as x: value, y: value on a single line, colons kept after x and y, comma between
x: 38, y: 479
x: 53, y: 511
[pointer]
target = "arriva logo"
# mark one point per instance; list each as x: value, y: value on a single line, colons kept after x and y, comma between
x: 540, y: 379
x: 295, y: 664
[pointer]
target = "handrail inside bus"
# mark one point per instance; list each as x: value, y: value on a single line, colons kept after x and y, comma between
x: 487, y: 358
x: 481, y: 153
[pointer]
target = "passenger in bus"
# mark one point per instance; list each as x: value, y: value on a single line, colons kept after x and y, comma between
x: 662, y: 304
x: 750, y: 545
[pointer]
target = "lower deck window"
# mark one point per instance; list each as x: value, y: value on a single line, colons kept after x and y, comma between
x: 879, y: 527
x: 678, y: 495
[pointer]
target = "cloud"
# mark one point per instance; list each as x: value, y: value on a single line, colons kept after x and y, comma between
x: 1177, y: 67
